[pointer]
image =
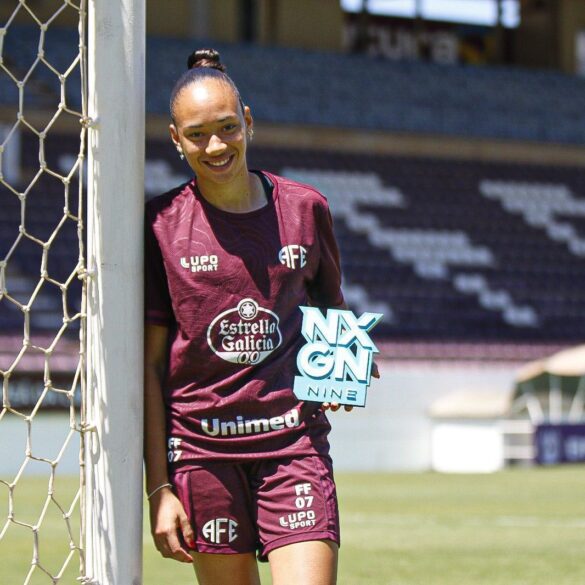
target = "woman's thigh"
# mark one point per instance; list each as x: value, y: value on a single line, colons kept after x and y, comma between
x: 224, y: 569
x: 311, y: 562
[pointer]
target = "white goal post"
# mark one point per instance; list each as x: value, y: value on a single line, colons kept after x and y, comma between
x: 116, y: 93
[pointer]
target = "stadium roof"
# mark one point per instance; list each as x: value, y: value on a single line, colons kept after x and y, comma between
x: 478, y: 12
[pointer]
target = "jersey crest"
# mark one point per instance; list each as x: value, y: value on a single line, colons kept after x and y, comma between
x: 246, y: 334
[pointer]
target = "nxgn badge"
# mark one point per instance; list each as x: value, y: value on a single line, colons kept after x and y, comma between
x: 336, y: 362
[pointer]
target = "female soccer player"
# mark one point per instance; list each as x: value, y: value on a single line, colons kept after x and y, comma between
x: 235, y: 464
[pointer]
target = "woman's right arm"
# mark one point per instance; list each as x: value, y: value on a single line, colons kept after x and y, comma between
x: 167, y: 515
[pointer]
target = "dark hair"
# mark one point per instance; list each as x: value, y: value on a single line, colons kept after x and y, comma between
x: 203, y: 64
x: 205, y: 58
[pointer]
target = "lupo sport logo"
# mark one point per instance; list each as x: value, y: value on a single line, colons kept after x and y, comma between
x: 245, y: 335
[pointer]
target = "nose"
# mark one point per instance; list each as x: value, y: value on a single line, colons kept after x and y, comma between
x: 215, y: 146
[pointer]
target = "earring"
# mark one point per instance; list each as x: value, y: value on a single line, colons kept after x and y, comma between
x: 250, y: 134
x: 181, y: 155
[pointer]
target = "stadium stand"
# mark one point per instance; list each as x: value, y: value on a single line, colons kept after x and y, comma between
x: 447, y: 250
x: 443, y: 248
x: 432, y: 240
x: 292, y: 86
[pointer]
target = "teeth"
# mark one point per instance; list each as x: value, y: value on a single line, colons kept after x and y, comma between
x: 220, y: 163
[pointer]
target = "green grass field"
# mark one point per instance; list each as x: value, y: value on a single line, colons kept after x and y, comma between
x: 512, y: 528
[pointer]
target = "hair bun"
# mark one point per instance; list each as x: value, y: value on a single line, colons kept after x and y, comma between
x: 208, y: 58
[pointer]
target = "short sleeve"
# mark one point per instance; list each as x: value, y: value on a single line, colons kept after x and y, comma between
x: 157, y: 302
x: 325, y: 288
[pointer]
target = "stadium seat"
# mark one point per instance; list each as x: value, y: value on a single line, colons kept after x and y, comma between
x: 496, y: 102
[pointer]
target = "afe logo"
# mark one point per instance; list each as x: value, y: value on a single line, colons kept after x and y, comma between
x: 292, y: 256
x: 215, y: 529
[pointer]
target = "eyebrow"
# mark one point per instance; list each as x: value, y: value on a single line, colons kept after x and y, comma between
x: 193, y: 126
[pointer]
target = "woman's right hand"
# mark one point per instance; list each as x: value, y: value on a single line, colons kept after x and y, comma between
x: 168, y: 523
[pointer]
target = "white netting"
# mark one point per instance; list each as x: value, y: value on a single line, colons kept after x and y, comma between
x: 42, y: 289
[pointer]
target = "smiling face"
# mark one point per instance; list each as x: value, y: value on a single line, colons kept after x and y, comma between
x: 210, y: 129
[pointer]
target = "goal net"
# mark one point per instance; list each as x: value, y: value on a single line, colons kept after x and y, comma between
x: 70, y: 422
x: 42, y: 291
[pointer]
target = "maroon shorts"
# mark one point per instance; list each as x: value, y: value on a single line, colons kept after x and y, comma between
x: 259, y: 506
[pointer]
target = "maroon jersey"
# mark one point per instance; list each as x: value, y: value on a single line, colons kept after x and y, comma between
x: 229, y: 287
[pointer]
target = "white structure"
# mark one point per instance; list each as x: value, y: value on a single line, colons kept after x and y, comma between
x: 116, y: 54
x: 467, y: 435
x: 394, y: 432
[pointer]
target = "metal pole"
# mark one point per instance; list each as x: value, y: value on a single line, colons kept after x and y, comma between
x: 555, y: 405
x: 116, y: 42
x: 500, y: 52
x: 361, y: 43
